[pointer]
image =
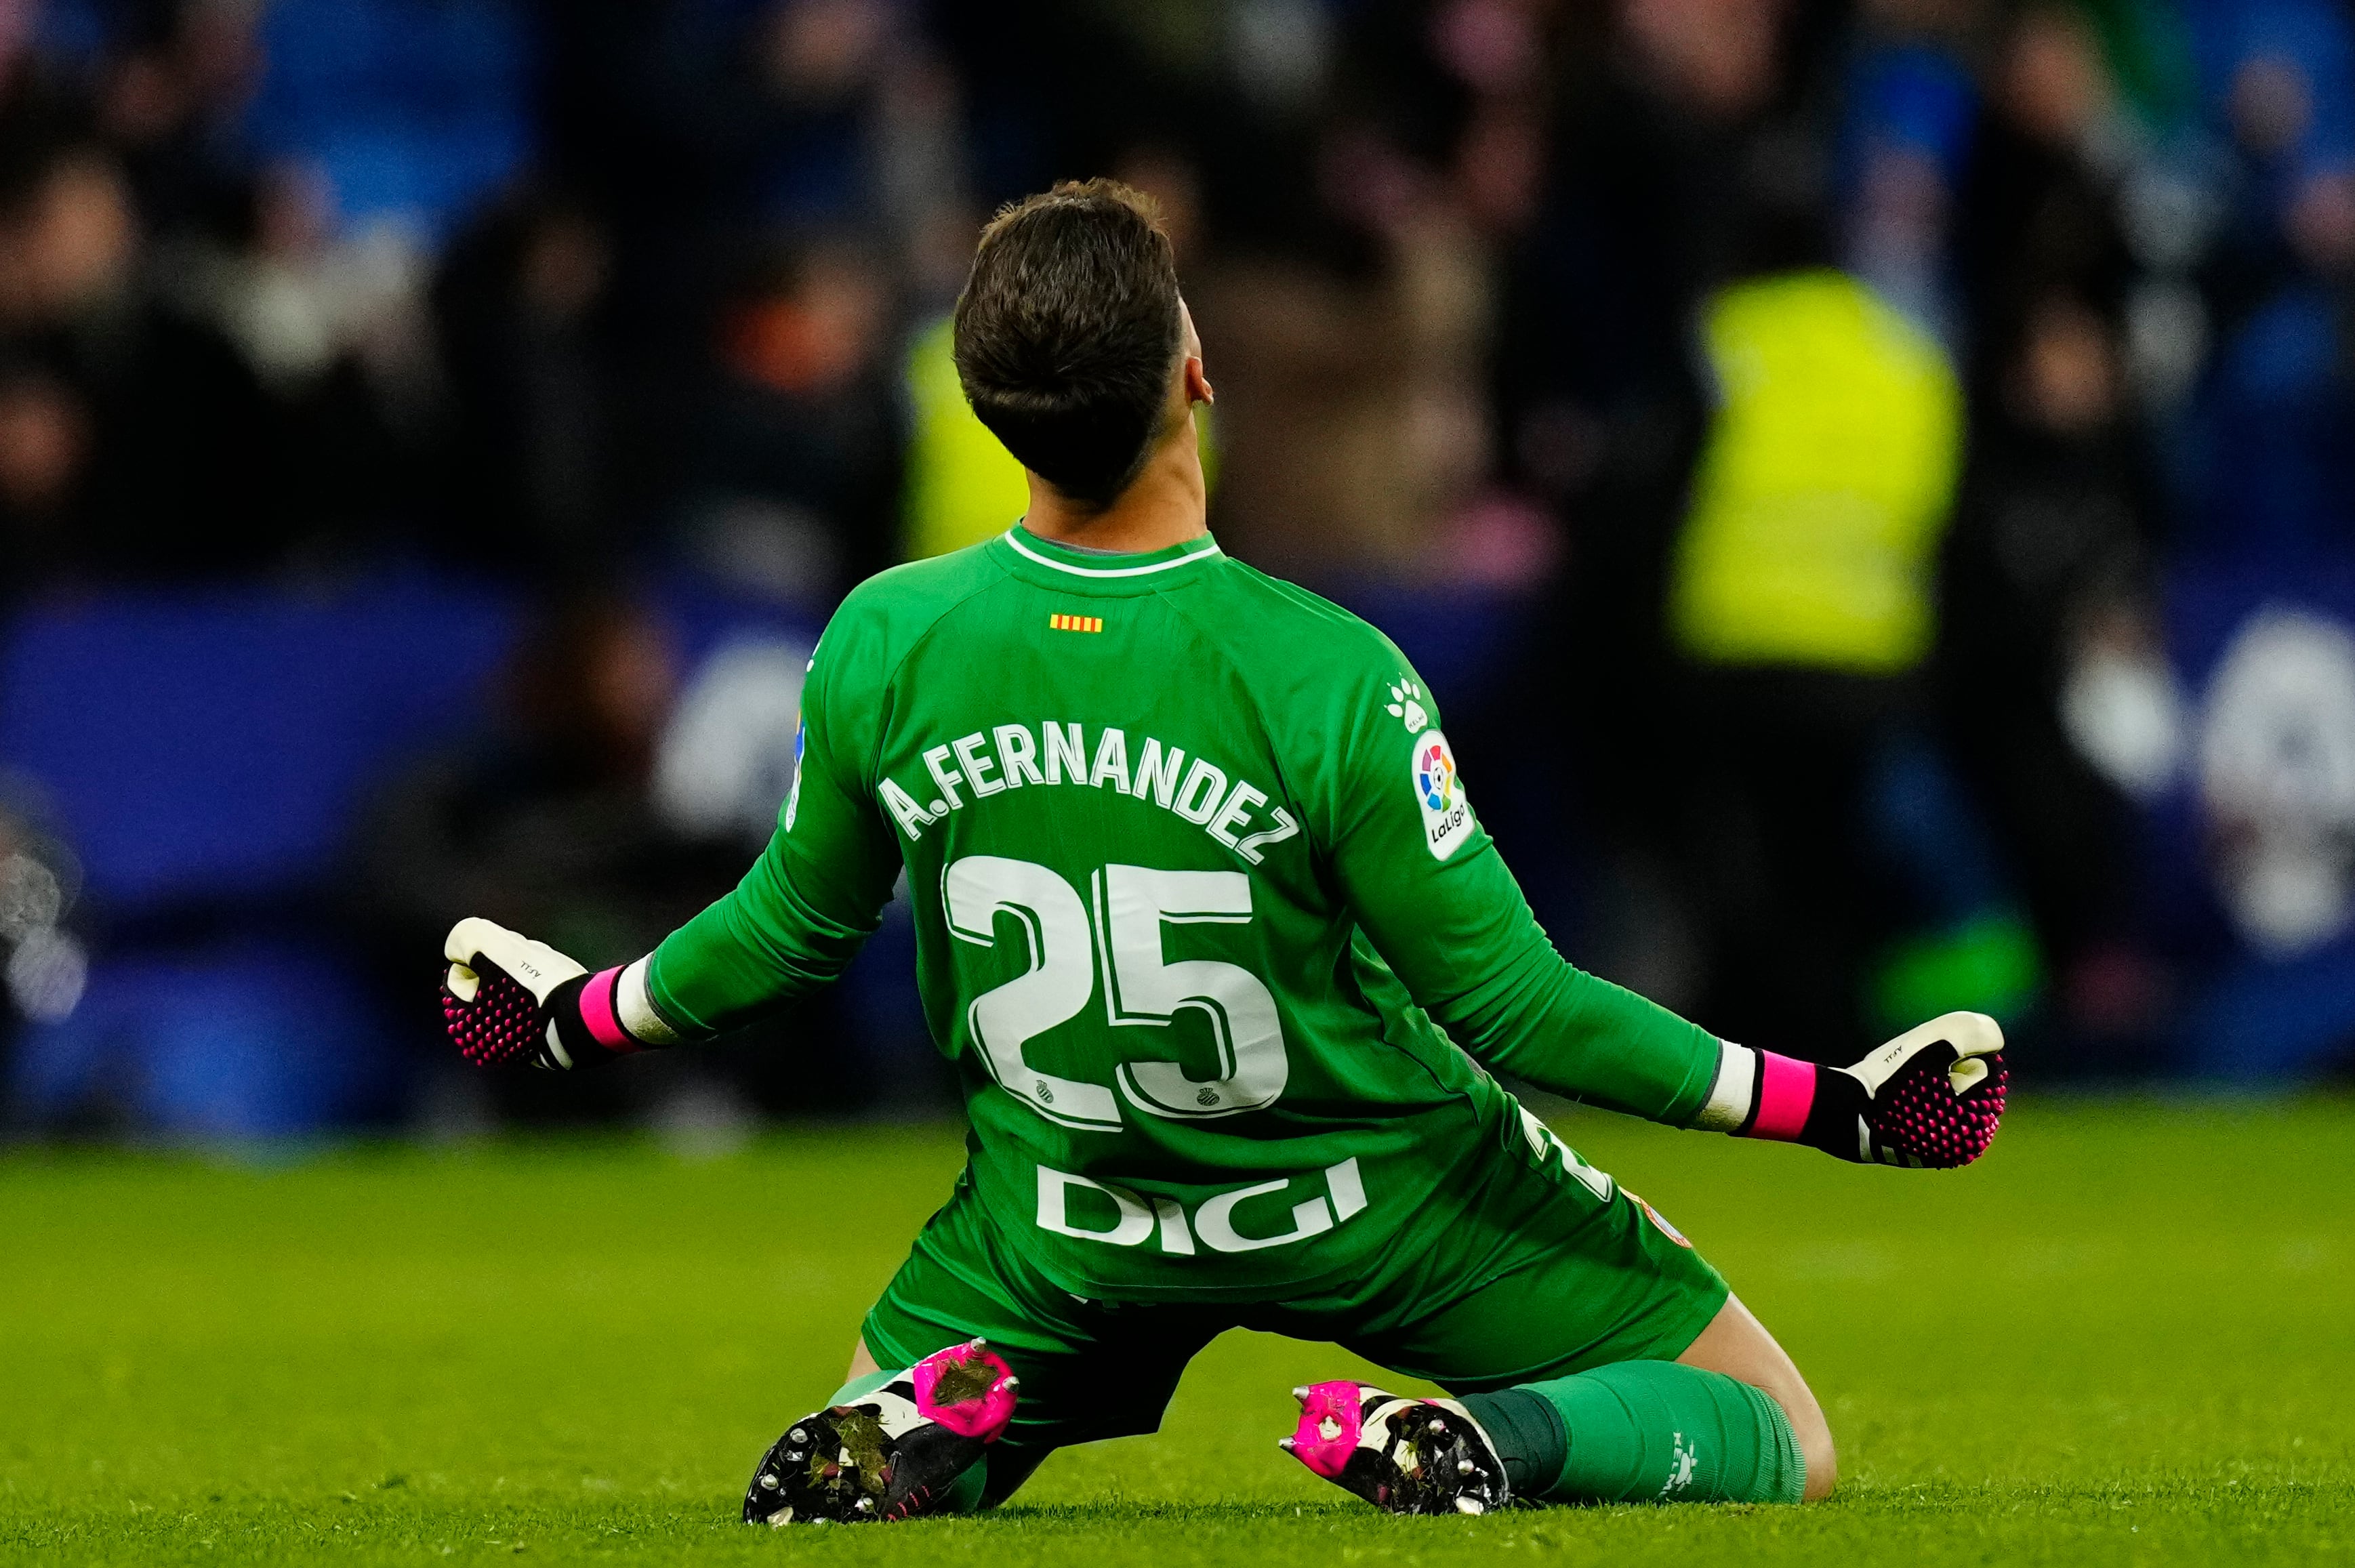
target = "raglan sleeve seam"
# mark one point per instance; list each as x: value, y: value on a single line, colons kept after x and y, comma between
x: 872, y: 777
x: 1218, y: 650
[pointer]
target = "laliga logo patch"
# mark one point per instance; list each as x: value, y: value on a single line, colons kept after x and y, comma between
x: 1435, y: 776
x: 1439, y: 791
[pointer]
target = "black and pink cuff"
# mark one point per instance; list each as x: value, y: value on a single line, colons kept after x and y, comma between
x: 615, y: 1017
x: 1759, y: 1094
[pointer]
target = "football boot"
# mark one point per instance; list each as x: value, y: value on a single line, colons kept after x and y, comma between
x: 1403, y: 1456
x: 890, y: 1454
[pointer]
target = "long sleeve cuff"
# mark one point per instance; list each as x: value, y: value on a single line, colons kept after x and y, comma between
x: 1734, y: 1094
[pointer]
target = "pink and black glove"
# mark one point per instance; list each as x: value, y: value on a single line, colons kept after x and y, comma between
x: 1932, y: 1098
x: 507, y: 999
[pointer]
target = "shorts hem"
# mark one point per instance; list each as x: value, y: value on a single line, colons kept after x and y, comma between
x: 1682, y: 1337
x: 889, y: 1356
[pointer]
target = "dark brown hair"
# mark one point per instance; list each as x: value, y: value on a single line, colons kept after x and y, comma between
x: 1068, y: 331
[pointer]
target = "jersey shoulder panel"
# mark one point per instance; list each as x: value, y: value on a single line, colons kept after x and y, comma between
x: 870, y: 637
x: 894, y: 609
x: 1290, y: 638
x: 885, y: 618
x: 1324, y: 682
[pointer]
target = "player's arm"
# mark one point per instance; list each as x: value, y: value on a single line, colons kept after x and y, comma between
x: 792, y: 925
x: 1439, y: 903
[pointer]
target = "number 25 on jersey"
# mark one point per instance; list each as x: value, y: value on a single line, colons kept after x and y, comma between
x: 1118, y: 930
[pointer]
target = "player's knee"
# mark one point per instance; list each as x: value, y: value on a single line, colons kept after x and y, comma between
x: 1813, y: 1436
x: 1816, y: 1448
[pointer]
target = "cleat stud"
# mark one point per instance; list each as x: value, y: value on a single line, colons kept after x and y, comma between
x: 1301, y: 1393
x: 798, y: 1435
x: 1285, y: 1443
x: 1470, y: 1505
x: 1437, y: 1427
x: 864, y: 1505
x: 1012, y: 1381
x: 1463, y: 1467
x: 770, y: 1482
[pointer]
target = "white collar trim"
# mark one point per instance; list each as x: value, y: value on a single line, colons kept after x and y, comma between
x: 1210, y: 547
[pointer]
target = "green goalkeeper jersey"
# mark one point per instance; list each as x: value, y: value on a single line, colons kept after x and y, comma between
x: 1203, y: 917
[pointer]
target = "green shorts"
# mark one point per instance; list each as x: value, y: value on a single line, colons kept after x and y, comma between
x: 1552, y: 1271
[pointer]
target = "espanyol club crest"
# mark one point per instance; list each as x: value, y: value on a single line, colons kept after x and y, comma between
x: 1439, y: 791
x: 1661, y: 1221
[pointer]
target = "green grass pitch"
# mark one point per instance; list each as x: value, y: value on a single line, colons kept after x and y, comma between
x: 2128, y: 1337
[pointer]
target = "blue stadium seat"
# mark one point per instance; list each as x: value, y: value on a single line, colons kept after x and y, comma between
x: 415, y: 110
x: 238, y: 1039
x: 205, y: 754
x: 212, y: 746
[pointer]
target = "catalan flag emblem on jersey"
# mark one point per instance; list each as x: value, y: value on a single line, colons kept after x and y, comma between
x: 1075, y: 622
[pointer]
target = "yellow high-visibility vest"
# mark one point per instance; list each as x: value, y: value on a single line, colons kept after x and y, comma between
x: 961, y: 485
x: 1825, y: 484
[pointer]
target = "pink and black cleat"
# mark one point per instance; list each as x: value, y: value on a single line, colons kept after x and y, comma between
x: 1403, y: 1456
x: 894, y: 1454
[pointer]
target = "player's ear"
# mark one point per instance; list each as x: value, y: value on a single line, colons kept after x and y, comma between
x: 1198, y: 383
x: 1191, y: 378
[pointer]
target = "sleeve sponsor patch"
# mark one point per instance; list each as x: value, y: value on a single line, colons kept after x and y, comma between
x: 793, y: 796
x: 1439, y: 792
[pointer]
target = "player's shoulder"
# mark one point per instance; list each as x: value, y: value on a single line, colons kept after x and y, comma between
x: 1283, y: 619
x: 1293, y: 634
x: 894, y: 610
x: 929, y: 587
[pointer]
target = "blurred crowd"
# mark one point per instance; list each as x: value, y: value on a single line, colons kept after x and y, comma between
x: 1870, y: 482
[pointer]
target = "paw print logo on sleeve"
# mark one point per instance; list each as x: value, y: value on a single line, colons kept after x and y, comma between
x: 1406, y: 707
x: 1438, y: 789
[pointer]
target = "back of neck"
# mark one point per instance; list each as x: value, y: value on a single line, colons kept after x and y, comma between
x: 1165, y: 505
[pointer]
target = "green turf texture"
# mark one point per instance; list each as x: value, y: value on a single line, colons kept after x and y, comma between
x: 2128, y: 1335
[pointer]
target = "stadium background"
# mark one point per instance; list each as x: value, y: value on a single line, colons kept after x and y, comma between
x: 1869, y: 483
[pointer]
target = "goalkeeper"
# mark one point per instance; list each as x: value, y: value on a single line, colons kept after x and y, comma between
x: 1226, y: 963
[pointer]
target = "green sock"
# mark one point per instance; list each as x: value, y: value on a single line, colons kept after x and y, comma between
x: 1528, y: 1435
x: 964, y: 1492
x: 1647, y: 1431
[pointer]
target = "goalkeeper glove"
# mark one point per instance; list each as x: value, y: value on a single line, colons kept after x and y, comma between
x: 1931, y: 1098
x: 507, y: 999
